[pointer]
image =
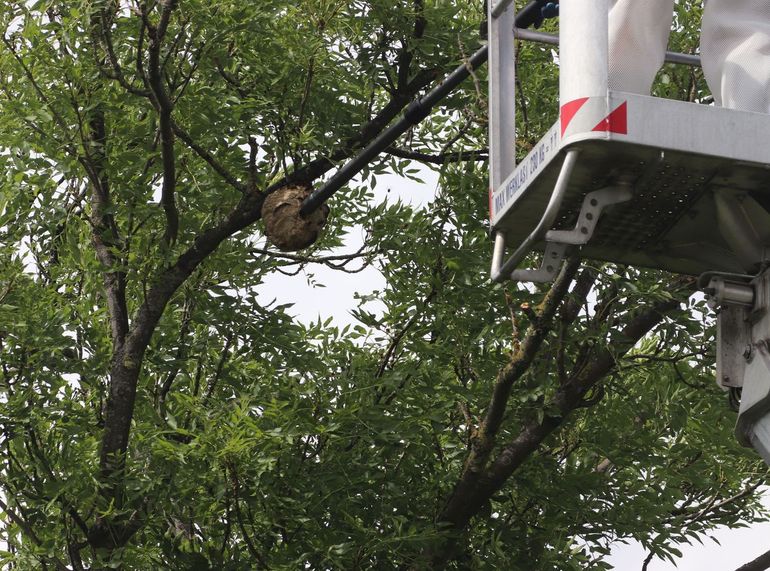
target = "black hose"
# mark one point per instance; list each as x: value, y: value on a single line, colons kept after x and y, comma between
x: 415, y: 112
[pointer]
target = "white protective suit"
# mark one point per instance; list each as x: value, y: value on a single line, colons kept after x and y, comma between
x: 735, y: 48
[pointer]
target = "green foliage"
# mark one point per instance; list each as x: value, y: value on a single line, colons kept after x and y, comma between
x: 258, y: 441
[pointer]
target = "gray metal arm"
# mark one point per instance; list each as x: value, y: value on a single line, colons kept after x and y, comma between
x: 502, y: 271
x: 500, y: 7
x: 553, y: 39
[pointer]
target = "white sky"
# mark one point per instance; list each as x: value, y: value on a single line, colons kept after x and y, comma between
x: 738, y: 546
x: 735, y: 547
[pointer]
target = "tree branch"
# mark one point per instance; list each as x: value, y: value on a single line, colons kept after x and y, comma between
x: 698, y: 512
x: 181, y: 353
x: 220, y: 367
x: 518, y: 365
x: 28, y: 531
x: 571, y: 395
x: 478, y: 483
x: 128, y: 361
x: 262, y: 564
x: 337, y: 262
x: 647, y: 561
x: 321, y: 165
x: 441, y: 158
x: 101, y: 27
x: 208, y: 157
x: 105, y: 234
x: 463, y: 503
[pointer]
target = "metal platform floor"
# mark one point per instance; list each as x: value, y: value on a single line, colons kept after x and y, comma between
x: 675, y: 155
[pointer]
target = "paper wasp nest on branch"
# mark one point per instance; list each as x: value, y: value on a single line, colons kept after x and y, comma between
x: 284, y: 227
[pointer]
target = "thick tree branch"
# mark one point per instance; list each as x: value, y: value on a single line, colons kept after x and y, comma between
x: 519, y: 364
x: 127, y: 362
x: 458, y: 511
x: 105, y: 234
x: 476, y: 488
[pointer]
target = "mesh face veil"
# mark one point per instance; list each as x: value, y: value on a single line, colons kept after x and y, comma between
x: 638, y: 35
x: 735, y: 48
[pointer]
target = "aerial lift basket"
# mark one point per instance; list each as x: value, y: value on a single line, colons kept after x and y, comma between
x: 634, y: 179
x: 631, y: 178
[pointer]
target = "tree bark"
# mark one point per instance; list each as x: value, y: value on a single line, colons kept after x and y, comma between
x: 126, y: 363
x: 479, y: 483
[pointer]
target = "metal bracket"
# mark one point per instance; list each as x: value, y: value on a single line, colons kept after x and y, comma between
x: 552, y: 259
x: 593, y: 205
x: 502, y: 271
x: 732, y: 297
x: 733, y: 346
x: 557, y: 241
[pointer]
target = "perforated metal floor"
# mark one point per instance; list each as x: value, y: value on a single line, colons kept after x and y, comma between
x: 670, y: 222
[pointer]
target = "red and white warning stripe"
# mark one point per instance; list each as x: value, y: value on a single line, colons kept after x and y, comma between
x: 589, y: 114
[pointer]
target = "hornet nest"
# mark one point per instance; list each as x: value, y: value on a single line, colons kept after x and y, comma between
x: 284, y: 226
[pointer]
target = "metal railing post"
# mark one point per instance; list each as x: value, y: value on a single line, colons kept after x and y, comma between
x: 583, y: 49
x: 502, y: 95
